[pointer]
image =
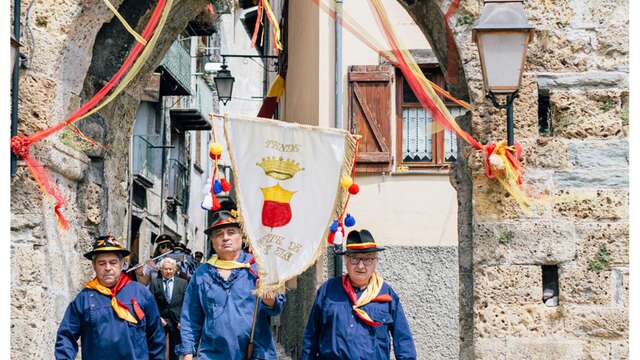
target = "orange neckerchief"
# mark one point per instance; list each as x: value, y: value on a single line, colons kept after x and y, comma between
x: 370, y: 294
x: 121, y: 310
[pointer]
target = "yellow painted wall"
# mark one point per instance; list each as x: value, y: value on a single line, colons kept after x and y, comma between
x: 407, y: 210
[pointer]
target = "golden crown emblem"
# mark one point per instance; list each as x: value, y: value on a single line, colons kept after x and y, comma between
x: 279, y: 168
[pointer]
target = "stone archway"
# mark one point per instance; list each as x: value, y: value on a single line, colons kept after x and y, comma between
x: 73, y: 49
x: 431, y: 17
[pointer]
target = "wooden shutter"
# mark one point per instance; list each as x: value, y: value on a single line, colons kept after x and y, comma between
x: 370, y: 115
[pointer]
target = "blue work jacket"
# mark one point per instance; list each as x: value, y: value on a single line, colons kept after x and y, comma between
x: 217, y: 316
x: 103, y: 334
x: 334, y: 332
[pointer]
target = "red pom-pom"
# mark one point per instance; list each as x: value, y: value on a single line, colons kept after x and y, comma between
x: 215, y: 205
x: 225, y: 185
x: 354, y: 189
x: 330, y: 238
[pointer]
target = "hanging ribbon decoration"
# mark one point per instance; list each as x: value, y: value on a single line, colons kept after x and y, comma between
x: 359, y: 32
x: 265, y: 7
x: 21, y: 144
x: 219, y: 183
x: 425, y: 91
x: 508, y: 171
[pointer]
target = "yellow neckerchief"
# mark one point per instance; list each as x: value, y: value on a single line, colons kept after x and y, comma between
x: 227, y: 264
x: 121, y: 310
x: 370, y: 294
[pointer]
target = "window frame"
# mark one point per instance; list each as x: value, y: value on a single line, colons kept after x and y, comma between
x: 433, y: 73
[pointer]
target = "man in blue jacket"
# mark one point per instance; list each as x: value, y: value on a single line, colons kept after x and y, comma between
x: 219, y: 304
x: 114, y: 317
x: 355, y: 316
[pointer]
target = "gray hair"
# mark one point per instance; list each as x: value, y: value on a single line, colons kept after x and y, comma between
x: 170, y: 261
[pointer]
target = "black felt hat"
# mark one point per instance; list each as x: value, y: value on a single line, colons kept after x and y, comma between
x: 163, y: 239
x: 106, y: 244
x: 359, y: 242
x: 222, y: 219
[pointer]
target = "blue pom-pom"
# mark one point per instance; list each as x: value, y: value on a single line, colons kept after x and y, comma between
x: 334, y: 226
x: 349, y: 221
x: 217, y: 187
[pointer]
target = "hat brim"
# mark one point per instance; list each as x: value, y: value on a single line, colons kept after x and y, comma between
x: 229, y: 224
x: 91, y: 253
x: 164, y: 241
x: 361, y: 251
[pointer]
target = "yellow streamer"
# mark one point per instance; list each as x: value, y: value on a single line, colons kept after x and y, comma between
x: 277, y: 87
x: 274, y: 23
x: 124, y: 22
x: 140, y: 61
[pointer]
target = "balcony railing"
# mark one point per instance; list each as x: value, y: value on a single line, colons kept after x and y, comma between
x: 177, y: 64
x: 204, y: 98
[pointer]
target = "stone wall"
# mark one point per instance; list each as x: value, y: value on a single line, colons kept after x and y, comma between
x: 47, y: 267
x: 577, y: 172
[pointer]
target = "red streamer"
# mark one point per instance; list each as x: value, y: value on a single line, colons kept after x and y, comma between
x: 21, y: 144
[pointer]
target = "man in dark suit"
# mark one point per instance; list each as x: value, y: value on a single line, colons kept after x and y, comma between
x: 168, y: 291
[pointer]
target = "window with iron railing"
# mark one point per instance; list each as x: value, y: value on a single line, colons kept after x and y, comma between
x: 147, y: 160
x: 178, y: 184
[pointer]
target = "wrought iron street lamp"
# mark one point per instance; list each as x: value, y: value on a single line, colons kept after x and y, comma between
x: 224, y: 83
x: 502, y: 35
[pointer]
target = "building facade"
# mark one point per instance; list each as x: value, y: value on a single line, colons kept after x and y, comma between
x: 478, y: 276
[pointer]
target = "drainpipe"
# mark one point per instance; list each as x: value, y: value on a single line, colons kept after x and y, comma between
x: 338, y: 104
x: 15, y: 77
x: 164, y: 160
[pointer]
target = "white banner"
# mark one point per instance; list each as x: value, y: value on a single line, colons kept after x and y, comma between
x: 287, y: 183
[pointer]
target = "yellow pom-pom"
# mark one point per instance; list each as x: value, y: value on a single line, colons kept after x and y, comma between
x: 346, y: 181
x: 215, y: 148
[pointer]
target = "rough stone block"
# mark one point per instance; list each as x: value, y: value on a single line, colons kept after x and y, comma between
x: 596, y: 164
x: 37, y: 96
x: 515, y: 284
x: 596, y: 349
x: 92, y: 202
x: 584, y: 80
x: 601, y: 178
x: 592, y: 204
x: 594, y: 154
x: 490, y: 349
x: 497, y: 321
x: 544, y: 349
x: 62, y: 159
x: 552, y: 50
x: 612, y: 33
x: 578, y: 285
x: 621, y: 286
x: 524, y: 242
x: 592, y: 236
x: 597, y: 321
x: 620, y: 350
x: 30, y: 264
x: 548, y: 153
x: 582, y: 114
x: 492, y: 202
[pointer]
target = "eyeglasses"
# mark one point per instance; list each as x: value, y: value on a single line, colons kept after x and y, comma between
x: 365, y: 261
x: 164, y: 246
